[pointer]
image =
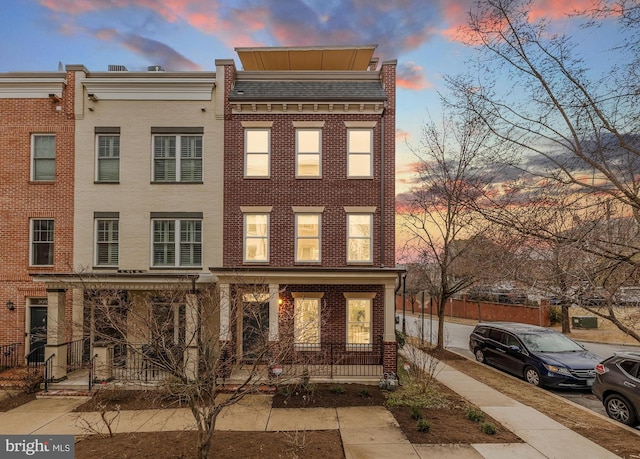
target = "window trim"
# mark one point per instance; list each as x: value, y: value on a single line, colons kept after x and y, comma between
x: 267, y: 153
x: 318, y: 154
x: 96, y: 259
x: 298, y: 237
x: 197, y: 132
x: 245, y: 237
x: 359, y: 296
x: 177, y: 243
x: 370, y: 238
x: 305, y: 296
x: 34, y: 159
x: 369, y: 154
x: 32, y: 242
x: 97, y: 170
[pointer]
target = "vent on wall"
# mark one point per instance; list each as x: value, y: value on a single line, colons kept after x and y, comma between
x: 117, y: 68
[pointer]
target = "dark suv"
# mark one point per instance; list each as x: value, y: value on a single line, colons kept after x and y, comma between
x: 617, y: 385
x: 541, y: 356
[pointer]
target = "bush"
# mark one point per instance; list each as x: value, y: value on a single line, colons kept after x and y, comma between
x: 423, y: 425
x: 474, y: 414
x: 488, y: 428
x: 364, y: 393
x: 401, y: 339
x: 555, y: 314
x: 337, y: 390
x: 416, y: 412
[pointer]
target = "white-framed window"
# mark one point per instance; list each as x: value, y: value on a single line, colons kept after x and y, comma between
x: 359, y: 238
x: 257, y: 147
x: 360, y: 153
x: 42, y: 239
x: 43, y: 154
x: 359, y: 320
x: 308, y: 245
x: 107, y: 241
x: 108, y: 162
x: 256, y: 237
x: 177, y: 158
x: 306, y: 320
x: 308, y: 153
x: 177, y: 242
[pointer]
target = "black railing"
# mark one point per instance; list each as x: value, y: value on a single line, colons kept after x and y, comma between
x: 48, y: 371
x: 9, y: 356
x: 92, y: 371
x: 75, y: 352
x: 35, y: 360
x: 136, y: 366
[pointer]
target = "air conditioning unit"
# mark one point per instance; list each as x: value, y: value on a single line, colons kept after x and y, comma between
x: 117, y: 68
x: 155, y: 68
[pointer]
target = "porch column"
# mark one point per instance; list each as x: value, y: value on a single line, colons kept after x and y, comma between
x: 56, y: 343
x: 390, y: 359
x: 274, y: 311
x: 191, y: 336
x: 77, y: 314
x: 225, y: 311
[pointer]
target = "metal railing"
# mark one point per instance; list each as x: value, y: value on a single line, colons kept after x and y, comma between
x: 9, y: 356
x: 135, y: 366
x: 48, y: 371
x: 92, y: 371
x: 75, y: 353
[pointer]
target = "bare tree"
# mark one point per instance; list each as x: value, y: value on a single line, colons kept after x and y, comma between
x: 574, y: 152
x: 174, y: 337
x: 434, y: 215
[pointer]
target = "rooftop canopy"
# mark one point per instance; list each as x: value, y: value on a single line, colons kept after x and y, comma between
x: 312, y: 58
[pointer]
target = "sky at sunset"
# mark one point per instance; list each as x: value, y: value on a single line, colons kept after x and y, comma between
x: 35, y: 35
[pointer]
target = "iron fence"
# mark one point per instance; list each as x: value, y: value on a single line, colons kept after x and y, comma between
x: 76, y: 351
x: 136, y: 366
x: 48, y: 371
x: 9, y: 356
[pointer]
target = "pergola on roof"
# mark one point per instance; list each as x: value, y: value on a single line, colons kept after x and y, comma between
x: 312, y: 58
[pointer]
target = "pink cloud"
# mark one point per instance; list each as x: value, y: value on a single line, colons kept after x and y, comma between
x: 411, y: 76
x: 402, y: 135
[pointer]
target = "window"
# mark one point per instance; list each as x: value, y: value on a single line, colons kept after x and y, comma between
x: 256, y: 152
x: 359, y: 227
x: 256, y: 237
x: 177, y: 243
x: 108, y: 158
x: 44, y: 157
x: 308, y: 237
x: 42, y: 242
x: 358, y: 321
x: 306, y: 322
x: 360, y: 149
x: 308, y: 149
x: 168, y: 166
x: 107, y: 242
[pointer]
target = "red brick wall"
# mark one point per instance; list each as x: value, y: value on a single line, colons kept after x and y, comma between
x: 21, y: 200
x: 333, y: 191
x: 486, y: 312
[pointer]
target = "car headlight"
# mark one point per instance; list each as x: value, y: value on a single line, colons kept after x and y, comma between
x: 559, y: 370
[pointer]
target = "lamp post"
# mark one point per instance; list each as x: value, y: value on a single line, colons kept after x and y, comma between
x: 404, y: 304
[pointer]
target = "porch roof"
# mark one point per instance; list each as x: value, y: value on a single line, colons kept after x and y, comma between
x: 308, y: 275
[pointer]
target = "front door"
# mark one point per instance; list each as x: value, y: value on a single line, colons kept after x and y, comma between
x: 255, y: 329
x: 37, y: 333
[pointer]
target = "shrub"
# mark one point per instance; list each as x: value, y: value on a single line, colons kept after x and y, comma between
x: 285, y: 391
x: 364, y: 393
x: 337, y: 390
x: 488, y: 428
x: 555, y: 314
x: 416, y: 412
x: 474, y: 414
x: 423, y: 425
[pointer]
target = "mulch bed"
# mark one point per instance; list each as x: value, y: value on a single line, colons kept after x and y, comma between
x: 328, y: 396
x: 15, y: 400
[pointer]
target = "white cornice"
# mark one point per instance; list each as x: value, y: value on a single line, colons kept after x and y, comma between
x: 31, y: 88
x: 296, y: 75
x: 306, y: 107
x: 150, y: 88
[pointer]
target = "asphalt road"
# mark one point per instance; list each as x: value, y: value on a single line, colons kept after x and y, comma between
x: 456, y: 338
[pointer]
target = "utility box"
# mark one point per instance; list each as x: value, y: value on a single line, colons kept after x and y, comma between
x: 584, y: 322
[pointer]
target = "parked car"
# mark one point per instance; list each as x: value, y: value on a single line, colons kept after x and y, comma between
x: 617, y: 385
x: 541, y: 356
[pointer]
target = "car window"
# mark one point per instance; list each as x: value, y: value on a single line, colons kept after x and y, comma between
x: 630, y: 367
x: 511, y: 340
x: 549, y: 342
x: 482, y: 331
x: 495, y: 335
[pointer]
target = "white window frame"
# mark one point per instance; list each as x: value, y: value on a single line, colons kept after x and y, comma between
x: 176, y: 242
x: 35, y: 159
x: 300, y: 341
x: 178, y: 159
x: 353, y: 297
x: 246, y: 237
x: 300, y: 153
x: 250, y: 154
x: 351, y: 154
x: 112, y: 242
x: 351, y: 237
x: 298, y: 237
x: 33, y: 242
x: 101, y: 160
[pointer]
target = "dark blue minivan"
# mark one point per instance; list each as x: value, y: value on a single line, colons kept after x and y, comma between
x: 541, y: 356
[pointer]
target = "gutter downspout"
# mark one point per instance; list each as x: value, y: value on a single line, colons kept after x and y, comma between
x: 382, y: 183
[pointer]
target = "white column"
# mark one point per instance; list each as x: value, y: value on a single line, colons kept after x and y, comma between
x: 389, y: 313
x: 191, y: 336
x: 225, y: 311
x: 56, y: 327
x: 274, y: 311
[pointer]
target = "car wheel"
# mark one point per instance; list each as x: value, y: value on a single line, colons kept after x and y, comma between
x: 532, y: 376
x: 620, y: 409
x: 479, y: 355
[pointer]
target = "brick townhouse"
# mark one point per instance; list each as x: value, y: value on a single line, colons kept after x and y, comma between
x: 279, y: 176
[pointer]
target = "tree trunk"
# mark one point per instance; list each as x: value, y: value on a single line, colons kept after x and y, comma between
x: 441, y: 305
x: 566, y: 328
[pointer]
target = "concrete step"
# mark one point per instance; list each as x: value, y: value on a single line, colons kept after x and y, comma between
x: 65, y: 393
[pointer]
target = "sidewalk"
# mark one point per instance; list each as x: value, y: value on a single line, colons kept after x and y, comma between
x: 366, y: 432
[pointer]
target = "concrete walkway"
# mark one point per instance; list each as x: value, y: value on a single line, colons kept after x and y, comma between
x: 367, y: 432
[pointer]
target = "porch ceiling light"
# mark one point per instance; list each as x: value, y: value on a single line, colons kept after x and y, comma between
x: 10, y: 305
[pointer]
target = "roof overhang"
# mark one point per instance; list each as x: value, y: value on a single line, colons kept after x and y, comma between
x: 307, y: 275
x: 122, y: 280
x: 324, y: 58
x: 31, y: 85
